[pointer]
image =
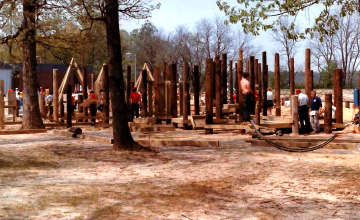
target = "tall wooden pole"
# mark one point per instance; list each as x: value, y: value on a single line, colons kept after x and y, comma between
x: 236, y: 84
x: 224, y: 78
x: 308, y: 79
x: 68, y: 106
x: 157, y: 81
x: 328, y: 114
x: 106, y: 94
x: 231, y: 101
x: 295, y: 114
x: 181, y: 97
x: 265, y: 83
x: 92, y: 81
x: 339, y: 96
x: 208, y: 94
x: 252, y: 81
x: 144, y: 94
x: 277, y: 84
x: 186, y: 94
x: 2, y: 105
x: 292, y: 76
x: 85, y: 91
x: 128, y: 85
x: 173, y: 90
x: 239, y: 97
x: 260, y: 86
x: 196, y: 87
x: 55, y: 96
x: 219, y: 102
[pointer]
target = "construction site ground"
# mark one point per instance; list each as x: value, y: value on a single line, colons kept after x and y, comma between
x: 44, y: 176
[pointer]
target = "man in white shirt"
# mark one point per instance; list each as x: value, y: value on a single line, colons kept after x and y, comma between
x: 303, y: 112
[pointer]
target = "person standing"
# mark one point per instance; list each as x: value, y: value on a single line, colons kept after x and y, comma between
x: 303, y: 112
x: 247, y: 96
x: 135, y: 98
x: 270, y: 100
x: 92, y: 106
x: 49, y: 100
x: 315, y: 108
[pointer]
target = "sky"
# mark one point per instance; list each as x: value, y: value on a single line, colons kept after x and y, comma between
x: 173, y: 13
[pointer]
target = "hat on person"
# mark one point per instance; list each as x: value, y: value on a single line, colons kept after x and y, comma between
x: 91, y: 91
x: 298, y: 90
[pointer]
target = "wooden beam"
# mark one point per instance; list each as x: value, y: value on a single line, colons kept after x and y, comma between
x: 106, y: 94
x: 295, y: 114
x: 179, y: 143
x: 328, y: 114
x: 64, y: 81
x: 186, y: 94
x: 277, y: 84
x: 69, y: 106
x: 55, y: 96
x: 308, y: 78
x: 292, y: 76
x: 231, y: 87
x: 338, y: 98
x: 173, y: 90
x: 208, y: 93
x: 196, y: 87
x: 265, y: 83
x: 128, y: 85
x: 224, y: 78
x: 219, y: 103
x: 2, y: 104
x: 29, y: 131
x: 144, y: 94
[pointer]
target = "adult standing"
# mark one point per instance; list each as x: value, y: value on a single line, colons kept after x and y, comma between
x: 303, y: 112
x: 316, y: 107
x: 92, y: 106
x: 135, y: 98
x: 247, y: 95
x: 269, y: 100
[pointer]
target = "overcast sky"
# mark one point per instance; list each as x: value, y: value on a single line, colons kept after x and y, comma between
x: 173, y: 13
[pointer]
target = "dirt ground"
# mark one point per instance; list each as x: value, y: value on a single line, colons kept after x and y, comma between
x: 44, y: 176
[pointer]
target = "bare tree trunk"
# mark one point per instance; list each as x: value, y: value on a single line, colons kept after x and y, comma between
x: 122, y: 136
x: 31, y: 117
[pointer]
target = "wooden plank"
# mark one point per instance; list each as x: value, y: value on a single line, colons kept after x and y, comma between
x: 64, y: 133
x: 169, y: 142
x: 165, y: 129
x: 144, y: 120
x: 226, y: 126
x: 180, y: 121
x: 103, y: 140
x: 87, y: 102
x: 2, y: 104
x: 164, y: 117
x: 64, y: 81
x: 29, y: 131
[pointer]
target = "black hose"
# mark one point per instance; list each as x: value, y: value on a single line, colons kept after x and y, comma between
x: 293, y: 149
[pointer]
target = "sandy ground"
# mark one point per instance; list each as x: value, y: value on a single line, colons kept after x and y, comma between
x: 44, y: 176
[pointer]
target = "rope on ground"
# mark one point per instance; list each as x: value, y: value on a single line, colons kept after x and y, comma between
x: 292, y: 149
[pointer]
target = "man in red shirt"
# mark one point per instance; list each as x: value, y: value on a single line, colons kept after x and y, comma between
x: 135, y: 104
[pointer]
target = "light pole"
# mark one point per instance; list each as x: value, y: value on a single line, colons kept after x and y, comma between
x: 135, y: 62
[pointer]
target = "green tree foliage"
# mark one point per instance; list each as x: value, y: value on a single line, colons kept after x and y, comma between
x: 327, y: 75
x: 257, y: 15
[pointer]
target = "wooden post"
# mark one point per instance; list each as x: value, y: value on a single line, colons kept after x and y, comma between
x: 92, y: 81
x: 224, y: 78
x: 339, y: 96
x: 173, y: 90
x: 41, y: 103
x: 277, y: 84
x: 328, y: 114
x: 181, y: 98
x: 295, y: 114
x: 256, y: 81
x: 55, y: 96
x: 62, y: 111
x: 239, y: 97
x: 2, y: 105
x: 157, y: 81
x: 144, y: 94
x: 196, y: 87
x: 214, y: 79
x: 68, y: 106
x: 162, y: 90
x: 106, y: 94
x: 164, y: 71
x: 292, y: 76
x: 260, y: 86
x: 186, y: 95
x: 347, y: 104
x: 168, y: 98
x: 150, y: 99
x: 231, y: 101
x: 219, y: 103
x: 308, y: 78
x: 257, y: 113
x: 252, y: 81
x: 208, y: 94
x: 85, y: 91
x: 128, y: 85
x: 236, y: 84
x: 247, y: 69
x: 265, y: 83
